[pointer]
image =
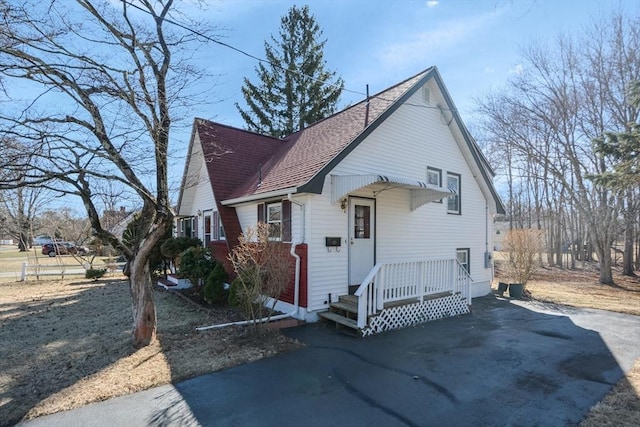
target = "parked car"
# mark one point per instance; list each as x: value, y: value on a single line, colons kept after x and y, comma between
x: 63, y: 248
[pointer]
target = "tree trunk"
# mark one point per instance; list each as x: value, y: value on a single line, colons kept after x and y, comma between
x: 606, y: 275
x: 627, y: 257
x: 143, y: 305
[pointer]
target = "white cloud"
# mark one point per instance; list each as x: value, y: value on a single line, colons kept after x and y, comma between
x: 424, y: 47
x: 432, y: 3
x: 489, y: 70
x: 518, y: 69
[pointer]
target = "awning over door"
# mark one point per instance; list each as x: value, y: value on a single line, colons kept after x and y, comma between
x: 421, y: 192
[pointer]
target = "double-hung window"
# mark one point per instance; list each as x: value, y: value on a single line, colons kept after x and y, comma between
x: 278, y: 216
x: 434, y: 177
x: 454, y: 201
x: 274, y: 219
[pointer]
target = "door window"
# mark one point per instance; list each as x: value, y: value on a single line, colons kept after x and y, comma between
x: 362, y: 222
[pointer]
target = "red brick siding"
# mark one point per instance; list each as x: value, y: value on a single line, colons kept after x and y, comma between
x: 288, y: 295
x: 220, y: 252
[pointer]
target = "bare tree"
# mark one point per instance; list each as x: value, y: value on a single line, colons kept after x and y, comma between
x: 570, y: 93
x: 106, y: 82
x: 21, y: 207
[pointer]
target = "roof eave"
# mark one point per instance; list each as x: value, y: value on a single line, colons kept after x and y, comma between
x: 260, y: 196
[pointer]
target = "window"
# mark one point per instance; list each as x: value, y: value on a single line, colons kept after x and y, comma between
x: 278, y: 216
x: 362, y: 222
x: 217, y: 232
x: 274, y: 219
x: 426, y: 94
x: 453, y: 201
x: 434, y: 177
x: 207, y: 228
x: 462, y: 254
x: 221, y: 235
x: 187, y: 227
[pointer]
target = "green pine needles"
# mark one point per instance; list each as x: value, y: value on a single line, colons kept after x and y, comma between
x: 294, y: 89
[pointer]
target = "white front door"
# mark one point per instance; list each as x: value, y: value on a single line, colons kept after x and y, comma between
x: 361, y: 239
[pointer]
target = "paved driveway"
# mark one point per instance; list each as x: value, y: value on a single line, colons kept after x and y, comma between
x: 508, y: 363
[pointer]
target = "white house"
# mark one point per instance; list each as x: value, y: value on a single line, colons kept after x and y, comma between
x: 387, y: 206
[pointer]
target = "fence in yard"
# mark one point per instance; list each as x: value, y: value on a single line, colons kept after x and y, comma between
x: 63, y: 270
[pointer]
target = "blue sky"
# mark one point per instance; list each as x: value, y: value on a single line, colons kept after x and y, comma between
x: 474, y: 43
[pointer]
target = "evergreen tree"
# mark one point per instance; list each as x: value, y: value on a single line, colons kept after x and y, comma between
x: 624, y: 149
x: 294, y: 90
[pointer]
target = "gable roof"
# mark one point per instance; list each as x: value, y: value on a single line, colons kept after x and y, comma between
x: 247, y: 166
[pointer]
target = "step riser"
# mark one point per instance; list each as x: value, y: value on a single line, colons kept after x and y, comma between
x: 344, y: 313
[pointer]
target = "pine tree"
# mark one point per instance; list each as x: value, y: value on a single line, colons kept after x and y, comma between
x: 294, y: 90
x: 623, y: 148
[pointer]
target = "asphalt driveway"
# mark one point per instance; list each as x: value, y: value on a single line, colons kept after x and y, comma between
x: 507, y: 363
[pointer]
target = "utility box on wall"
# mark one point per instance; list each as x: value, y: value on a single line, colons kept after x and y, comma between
x: 333, y: 242
x: 488, y: 256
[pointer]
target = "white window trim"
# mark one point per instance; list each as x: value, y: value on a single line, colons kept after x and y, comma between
x: 467, y: 254
x: 270, y: 222
x: 438, y: 172
x: 458, y: 191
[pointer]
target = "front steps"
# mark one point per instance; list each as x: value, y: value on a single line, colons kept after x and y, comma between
x: 344, y: 313
x: 396, y: 314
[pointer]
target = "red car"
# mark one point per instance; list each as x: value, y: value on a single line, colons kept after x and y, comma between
x: 62, y: 248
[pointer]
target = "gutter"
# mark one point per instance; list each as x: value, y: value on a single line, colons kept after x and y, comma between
x: 253, y: 197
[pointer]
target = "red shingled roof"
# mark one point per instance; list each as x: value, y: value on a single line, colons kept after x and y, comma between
x: 237, y: 159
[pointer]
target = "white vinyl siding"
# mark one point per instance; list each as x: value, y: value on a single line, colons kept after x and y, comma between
x: 327, y: 271
x: 407, y: 141
x: 197, y: 195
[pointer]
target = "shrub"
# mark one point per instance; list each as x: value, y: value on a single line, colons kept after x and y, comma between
x: 214, y: 287
x: 173, y: 247
x: 234, y: 290
x: 196, y: 264
x: 522, y: 247
x: 95, y: 273
x: 263, y: 267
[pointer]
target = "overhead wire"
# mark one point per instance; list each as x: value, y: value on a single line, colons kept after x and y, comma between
x: 266, y: 61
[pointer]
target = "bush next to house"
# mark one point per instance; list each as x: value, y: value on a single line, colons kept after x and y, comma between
x: 196, y: 264
x: 263, y: 268
x: 214, y: 287
x: 173, y: 247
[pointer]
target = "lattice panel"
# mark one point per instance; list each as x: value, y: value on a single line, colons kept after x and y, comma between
x: 414, y: 314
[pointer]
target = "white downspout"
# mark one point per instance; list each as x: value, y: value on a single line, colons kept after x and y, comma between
x: 296, y: 283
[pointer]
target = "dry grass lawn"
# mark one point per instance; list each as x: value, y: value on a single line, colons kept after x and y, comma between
x: 621, y: 407
x: 68, y: 343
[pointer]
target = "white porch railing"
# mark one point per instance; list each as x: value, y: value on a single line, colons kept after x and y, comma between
x: 388, y: 282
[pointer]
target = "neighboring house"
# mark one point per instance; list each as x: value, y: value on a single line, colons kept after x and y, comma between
x: 116, y: 221
x: 388, y: 206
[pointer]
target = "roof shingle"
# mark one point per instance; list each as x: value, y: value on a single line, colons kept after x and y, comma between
x: 243, y: 163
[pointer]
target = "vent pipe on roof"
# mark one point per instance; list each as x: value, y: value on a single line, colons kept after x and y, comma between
x: 259, y: 175
x: 366, y: 111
